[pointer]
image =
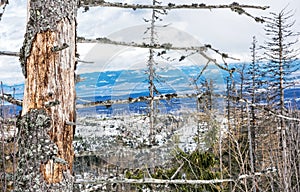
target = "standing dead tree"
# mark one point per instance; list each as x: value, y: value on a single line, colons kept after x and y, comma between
x: 254, y: 73
x: 48, y: 63
x: 151, y: 67
x: 281, y: 56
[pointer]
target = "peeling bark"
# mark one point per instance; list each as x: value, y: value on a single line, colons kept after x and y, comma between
x: 48, y: 61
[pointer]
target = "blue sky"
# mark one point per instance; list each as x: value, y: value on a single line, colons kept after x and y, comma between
x: 223, y: 29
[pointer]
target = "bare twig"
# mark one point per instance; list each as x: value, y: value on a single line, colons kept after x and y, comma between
x: 200, y: 74
x: 10, y: 53
x: 82, y: 61
x: 177, y: 171
x: 10, y: 99
x: 262, y: 107
x: 4, y: 3
x: 150, y: 181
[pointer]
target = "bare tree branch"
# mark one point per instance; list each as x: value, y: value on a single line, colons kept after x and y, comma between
x: 168, y: 46
x: 233, y: 6
x: 4, y: 3
x: 175, y: 181
x: 17, y: 54
x: 102, y: 3
x: 10, y: 99
x: 82, y: 61
x: 10, y: 53
x: 108, y: 103
x: 177, y: 171
x: 261, y: 107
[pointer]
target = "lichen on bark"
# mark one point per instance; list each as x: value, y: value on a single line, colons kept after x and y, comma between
x: 35, y: 150
x: 44, y: 15
x: 48, y: 62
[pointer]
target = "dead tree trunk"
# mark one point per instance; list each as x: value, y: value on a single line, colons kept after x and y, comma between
x: 46, y: 123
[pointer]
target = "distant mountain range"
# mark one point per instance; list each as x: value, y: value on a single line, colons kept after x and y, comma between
x: 124, y: 84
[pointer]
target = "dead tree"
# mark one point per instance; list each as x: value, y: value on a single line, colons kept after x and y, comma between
x: 281, y: 54
x: 151, y: 62
x: 254, y: 71
x: 48, y: 63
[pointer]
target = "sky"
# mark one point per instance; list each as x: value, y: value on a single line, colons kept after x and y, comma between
x: 223, y: 29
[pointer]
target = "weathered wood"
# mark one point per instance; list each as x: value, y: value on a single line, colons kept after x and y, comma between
x: 10, y: 99
x: 108, y: 103
x: 174, y: 181
x: 235, y: 7
x: 48, y: 62
x: 10, y: 53
x: 102, y: 3
x: 166, y: 46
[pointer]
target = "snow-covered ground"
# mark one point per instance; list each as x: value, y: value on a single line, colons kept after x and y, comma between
x: 126, y: 141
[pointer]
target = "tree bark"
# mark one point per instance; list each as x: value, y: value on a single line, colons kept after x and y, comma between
x: 48, y: 63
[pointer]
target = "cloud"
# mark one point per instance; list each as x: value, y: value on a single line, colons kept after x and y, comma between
x: 108, y: 57
x: 12, y: 26
x: 223, y: 29
x: 10, y: 71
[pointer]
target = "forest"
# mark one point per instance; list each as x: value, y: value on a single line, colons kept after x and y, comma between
x: 150, y: 108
